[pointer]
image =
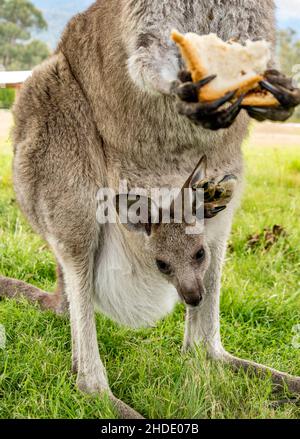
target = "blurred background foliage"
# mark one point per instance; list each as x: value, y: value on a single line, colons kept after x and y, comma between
x: 18, y: 50
x: 288, y: 53
x: 7, y: 97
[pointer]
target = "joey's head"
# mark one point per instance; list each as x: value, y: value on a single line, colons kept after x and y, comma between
x: 181, y: 258
x: 178, y: 249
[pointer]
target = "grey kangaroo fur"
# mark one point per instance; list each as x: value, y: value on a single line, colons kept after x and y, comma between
x: 98, y: 111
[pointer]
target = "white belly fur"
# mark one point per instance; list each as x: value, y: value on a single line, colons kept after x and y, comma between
x: 126, y: 290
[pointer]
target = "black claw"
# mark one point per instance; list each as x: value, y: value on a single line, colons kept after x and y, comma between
x: 219, y: 102
x: 287, y: 98
x: 281, y: 95
x: 212, y: 212
x: 225, y: 118
x: 189, y: 91
x: 275, y: 114
x: 209, y: 109
x: 256, y: 113
x: 205, y: 113
x: 218, y: 209
x: 205, y: 81
x: 228, y: 178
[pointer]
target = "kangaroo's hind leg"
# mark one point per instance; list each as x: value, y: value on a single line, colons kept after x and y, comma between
x: 16, y: 289
x: 59, y: 166
x: 203, y: 323
x: 79, y: 282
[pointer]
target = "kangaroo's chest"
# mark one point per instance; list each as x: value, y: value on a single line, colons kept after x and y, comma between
x: 126, y: 290
x: 161, y: 144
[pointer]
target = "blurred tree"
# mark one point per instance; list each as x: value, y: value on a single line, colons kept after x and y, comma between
x: 288, y: 50
x: 7, y: 97
x: 18, y: 18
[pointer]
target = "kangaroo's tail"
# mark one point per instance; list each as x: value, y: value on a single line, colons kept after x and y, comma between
x: 17, y: 289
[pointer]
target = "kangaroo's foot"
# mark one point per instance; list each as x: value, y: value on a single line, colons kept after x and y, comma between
x: 125, y: 412
x: 16, y: 289
x: 95, y: 385
x: 280, y: 379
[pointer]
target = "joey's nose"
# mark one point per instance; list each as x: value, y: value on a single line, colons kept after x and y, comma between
x: 193, y: 299
x: 192, y: 294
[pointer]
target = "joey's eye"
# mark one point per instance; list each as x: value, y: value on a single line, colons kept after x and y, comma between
x: 163, y: 267
x: 200, y: 255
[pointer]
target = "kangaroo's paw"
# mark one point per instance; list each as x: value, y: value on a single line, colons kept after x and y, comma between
x: 284, y: 91
x: 209, y: 115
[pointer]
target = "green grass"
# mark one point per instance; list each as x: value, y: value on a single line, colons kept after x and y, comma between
x: 260, y: 306
x: 7, y: 97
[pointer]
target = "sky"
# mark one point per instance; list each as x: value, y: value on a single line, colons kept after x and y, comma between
x: 288, y: 14
x: 58, y: 12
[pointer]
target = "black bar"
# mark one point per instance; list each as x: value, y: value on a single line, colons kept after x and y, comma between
x: 90, y: 429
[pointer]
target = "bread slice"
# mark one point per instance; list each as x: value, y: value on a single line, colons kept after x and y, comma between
x: 237, y: 67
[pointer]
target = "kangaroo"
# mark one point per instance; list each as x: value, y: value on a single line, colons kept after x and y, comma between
x: 103, y: 109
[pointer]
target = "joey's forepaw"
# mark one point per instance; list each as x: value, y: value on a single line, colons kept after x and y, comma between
x: 209, y: 115
x: 217, y: 194
x: 282, y: 88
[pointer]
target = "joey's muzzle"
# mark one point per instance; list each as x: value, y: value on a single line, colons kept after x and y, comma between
x: 192, y: 295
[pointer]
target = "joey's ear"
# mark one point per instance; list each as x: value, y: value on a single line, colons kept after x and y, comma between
x: 199, y: 172
x: 137, y: 213
x: 197, y: 176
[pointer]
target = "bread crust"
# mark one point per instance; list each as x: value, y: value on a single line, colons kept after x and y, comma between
x: 260, y: 99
